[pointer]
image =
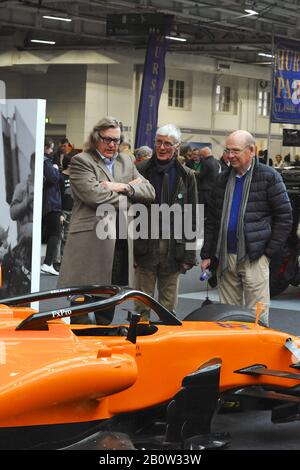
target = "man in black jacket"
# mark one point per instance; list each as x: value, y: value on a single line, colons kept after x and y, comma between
x: 249, y: 220
x: 224, y: 161
x: 206, y: 178
x: 163, y: 256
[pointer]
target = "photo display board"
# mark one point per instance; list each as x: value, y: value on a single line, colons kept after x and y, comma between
x: 22, y: 130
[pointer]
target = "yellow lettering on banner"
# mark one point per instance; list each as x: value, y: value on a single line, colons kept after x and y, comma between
x: 280, y: 86
x: 296, y: 62
x: 288, y: 62
x: 280, y: 59
x: 148, y: 127
x: 288, y: 93
x: 155, y: 68
x: 283, y: 88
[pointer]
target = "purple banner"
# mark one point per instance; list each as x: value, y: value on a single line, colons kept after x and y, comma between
x: 153, y: 81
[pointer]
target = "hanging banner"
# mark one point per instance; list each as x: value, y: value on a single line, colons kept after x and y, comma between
x: 286, y: 84
x: 153, y: 81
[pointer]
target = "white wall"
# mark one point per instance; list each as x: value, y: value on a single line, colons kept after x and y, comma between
x: 79, y: 95
x: 63, y: 88
x: 198, y: 111
x: 214, y: 126
x: 109, y: 91
x: 13, y: 83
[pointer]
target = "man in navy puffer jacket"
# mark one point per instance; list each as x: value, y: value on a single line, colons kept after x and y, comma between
x: 249, y: 220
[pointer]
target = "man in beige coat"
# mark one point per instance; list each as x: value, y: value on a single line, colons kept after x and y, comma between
x: 100, y: 175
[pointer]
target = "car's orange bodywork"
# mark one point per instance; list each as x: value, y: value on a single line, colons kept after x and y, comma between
x: 54, y: 376
x: 60, y: 375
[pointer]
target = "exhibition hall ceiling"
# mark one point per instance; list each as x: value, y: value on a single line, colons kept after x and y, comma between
x: 232, y: 30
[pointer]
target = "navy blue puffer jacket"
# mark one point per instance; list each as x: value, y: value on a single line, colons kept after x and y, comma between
x: 51, y: 188
x: 268, y: 215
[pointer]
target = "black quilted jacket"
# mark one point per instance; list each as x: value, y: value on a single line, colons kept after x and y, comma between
x: 268, y: 215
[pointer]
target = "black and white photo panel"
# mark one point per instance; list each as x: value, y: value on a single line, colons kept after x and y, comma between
x: 22, y: 124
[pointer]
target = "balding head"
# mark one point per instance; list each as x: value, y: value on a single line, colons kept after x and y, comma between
x: 205, y: 152
x: 243, y: 137
x: 241, y: 146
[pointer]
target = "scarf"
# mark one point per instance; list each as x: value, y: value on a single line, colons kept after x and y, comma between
x: 163, y: 177
x: 221, y: 252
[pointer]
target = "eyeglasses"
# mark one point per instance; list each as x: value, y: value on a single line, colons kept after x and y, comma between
x: 235, y: 152
x: 161, y: 143
x: 109, y: 140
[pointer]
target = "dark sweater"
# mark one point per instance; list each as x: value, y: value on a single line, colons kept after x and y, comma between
x: 51, y: 188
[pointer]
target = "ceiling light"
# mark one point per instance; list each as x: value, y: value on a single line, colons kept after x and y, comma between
x: 58, y: 18
x: 263, y: 54
x: 251, y: 12
x: 41, y: 41
x: 176, y: 38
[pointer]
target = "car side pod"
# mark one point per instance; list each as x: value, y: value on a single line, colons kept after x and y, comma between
x: 190, y: 413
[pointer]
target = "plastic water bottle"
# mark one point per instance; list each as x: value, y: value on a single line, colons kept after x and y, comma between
x: 205, y: 275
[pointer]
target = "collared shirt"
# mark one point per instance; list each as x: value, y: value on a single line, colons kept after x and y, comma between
x: 109, y: 162
x: 243, y: 174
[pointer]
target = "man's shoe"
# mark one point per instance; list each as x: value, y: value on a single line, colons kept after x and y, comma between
x: 46, y: 269
x: 56, y: 266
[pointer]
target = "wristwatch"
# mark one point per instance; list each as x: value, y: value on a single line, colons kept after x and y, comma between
x: 128, y: 190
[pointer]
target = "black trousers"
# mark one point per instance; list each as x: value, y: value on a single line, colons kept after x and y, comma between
x: 52, y: 231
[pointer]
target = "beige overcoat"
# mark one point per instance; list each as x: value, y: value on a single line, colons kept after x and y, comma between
x: 87, y: 258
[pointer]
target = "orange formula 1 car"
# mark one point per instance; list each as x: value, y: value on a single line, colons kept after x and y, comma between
x: 160, y: 382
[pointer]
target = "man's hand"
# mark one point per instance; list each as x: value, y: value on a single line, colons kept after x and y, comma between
x: 125, y: 188
x: 184, y: 267
x: 137, y: 180
x: 113, y: 186
x: 205, y: 263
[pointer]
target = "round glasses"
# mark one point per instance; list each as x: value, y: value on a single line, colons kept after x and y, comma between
x: 161, y: 143
x: 235, y: 152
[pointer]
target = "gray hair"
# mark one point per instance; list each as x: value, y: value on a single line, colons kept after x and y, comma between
x: 143, y: 151
x: 107, y: 122
x: 170, y: 130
